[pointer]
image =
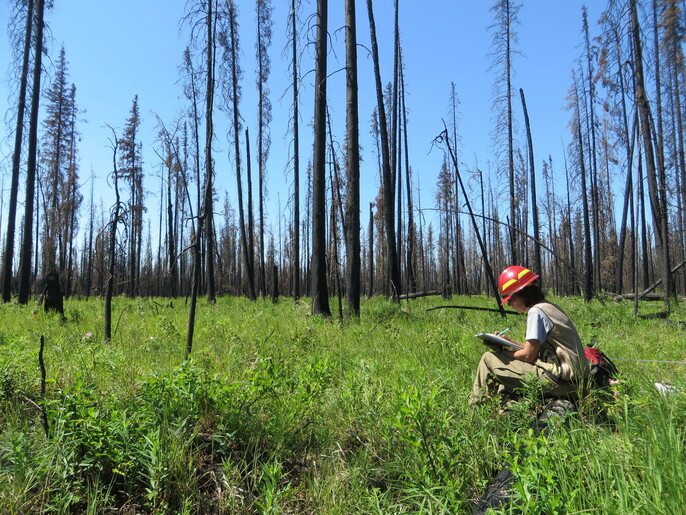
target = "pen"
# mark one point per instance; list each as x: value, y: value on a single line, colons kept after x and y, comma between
x: 502, y: 332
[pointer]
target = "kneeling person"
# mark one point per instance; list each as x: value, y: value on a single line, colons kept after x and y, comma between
x: 552, y: 352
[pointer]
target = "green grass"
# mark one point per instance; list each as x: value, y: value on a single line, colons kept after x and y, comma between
x: 278, y: 411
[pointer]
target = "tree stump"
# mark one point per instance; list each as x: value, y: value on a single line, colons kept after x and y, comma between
x: 52, y: 294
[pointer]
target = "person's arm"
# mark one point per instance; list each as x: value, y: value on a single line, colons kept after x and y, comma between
x: 538, y: 325
x: 529, y: 352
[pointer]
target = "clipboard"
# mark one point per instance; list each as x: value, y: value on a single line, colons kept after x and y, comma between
x: 494, y: 338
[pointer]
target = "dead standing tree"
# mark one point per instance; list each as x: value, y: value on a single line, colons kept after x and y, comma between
x: 206, y: 220
x: 503, y: 37
x: 27, y: 240
x: 116, y: 214
x: 264, y: 116
x: 579, y: 143
x: 459, y: 259
x: 392, y: 263
x: 175, y: 170
x: 445, y: 138
x: 655, y: 172
x: 16, y: 158
x: 59, y: 171
x: 319, y: 289
x: 192, y: 94
x: 588, y: 92
x: 673, y: 55
x: 614, y: 66
x: 411, y: 236
x: 229, y: 40
x: 131, y: 171
x: 534, y: 200
x: 296, y: 151
x: 352, y: 218
x: 206, y: 19
x: 196, y: 276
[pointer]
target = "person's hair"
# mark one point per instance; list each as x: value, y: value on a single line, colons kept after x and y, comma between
x: 531, y: 295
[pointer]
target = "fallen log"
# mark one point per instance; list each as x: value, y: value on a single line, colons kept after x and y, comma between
x: 632, y: 296
x: 475, y: 308
x: 659, y: 281
x: 418, y: 295
x: 651, y: 316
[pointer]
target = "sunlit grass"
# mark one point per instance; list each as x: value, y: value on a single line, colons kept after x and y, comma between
x: 282, y: 412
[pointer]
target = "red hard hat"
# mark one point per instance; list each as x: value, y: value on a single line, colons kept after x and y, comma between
x: 513, y: 279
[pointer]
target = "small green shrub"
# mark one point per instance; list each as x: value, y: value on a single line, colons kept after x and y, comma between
x: 539, y: 485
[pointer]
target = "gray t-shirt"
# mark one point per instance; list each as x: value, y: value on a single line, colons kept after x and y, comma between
x: 538, y: 325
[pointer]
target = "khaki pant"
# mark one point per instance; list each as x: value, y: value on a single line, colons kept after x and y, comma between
x: 499, y: 374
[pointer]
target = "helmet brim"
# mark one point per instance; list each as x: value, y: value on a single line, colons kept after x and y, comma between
x: 521, y: 287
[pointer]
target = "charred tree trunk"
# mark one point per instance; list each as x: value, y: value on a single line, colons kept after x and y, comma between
x: 264, y: 24
x: 53, y: 300
x: 534, y: 201
x: 388, y: 192
x: 89, y: 259
x: 207, y: 216
x: 27, y: 240
x: 195, y: 287
x: 319, y: 289
x: 411, y: 273
x: 251, y: 221
x: 171, y: 239
x: 628, y: 189
x: 352, y: 218
x: 588, y: 258
x: 655, y: 172
x: 112, y: 244
x: 8, y: 257
x: 296, y: 156
x: 396, y: 161
x: 370, y: 236
x: 595, y: 207
x: 475, y: 226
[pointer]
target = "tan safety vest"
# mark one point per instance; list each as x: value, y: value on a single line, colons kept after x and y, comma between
x: 562, y: 354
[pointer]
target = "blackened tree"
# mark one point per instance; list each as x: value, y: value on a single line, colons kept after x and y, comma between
x: 264, y: 116
x: 504, y: 38
x: 8, y: 256
x: 296, y: 150
x: 319, y: 289
x: 27, y: 240
x: 60, y: 170
x: 393, y: 265
x: 352, y: 218
x: 131, y: 171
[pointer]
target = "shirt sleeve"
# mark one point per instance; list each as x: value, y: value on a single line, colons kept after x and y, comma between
x: 538, y: 325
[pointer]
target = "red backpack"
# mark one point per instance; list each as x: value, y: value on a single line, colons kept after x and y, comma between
x: 602, y: 367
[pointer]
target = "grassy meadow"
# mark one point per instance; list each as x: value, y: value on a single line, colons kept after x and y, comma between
x: 278, y: 411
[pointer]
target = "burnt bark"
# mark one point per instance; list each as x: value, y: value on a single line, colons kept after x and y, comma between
x: 352, y: 218
x: 319, y: 288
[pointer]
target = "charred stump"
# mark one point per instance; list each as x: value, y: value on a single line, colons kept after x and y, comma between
x: 53, y: 300
x: 275, y: 284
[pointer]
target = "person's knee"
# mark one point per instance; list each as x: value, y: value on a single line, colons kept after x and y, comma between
x: 493, y: 359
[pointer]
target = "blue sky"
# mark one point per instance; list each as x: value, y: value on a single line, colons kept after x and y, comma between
x: 116, y: 50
